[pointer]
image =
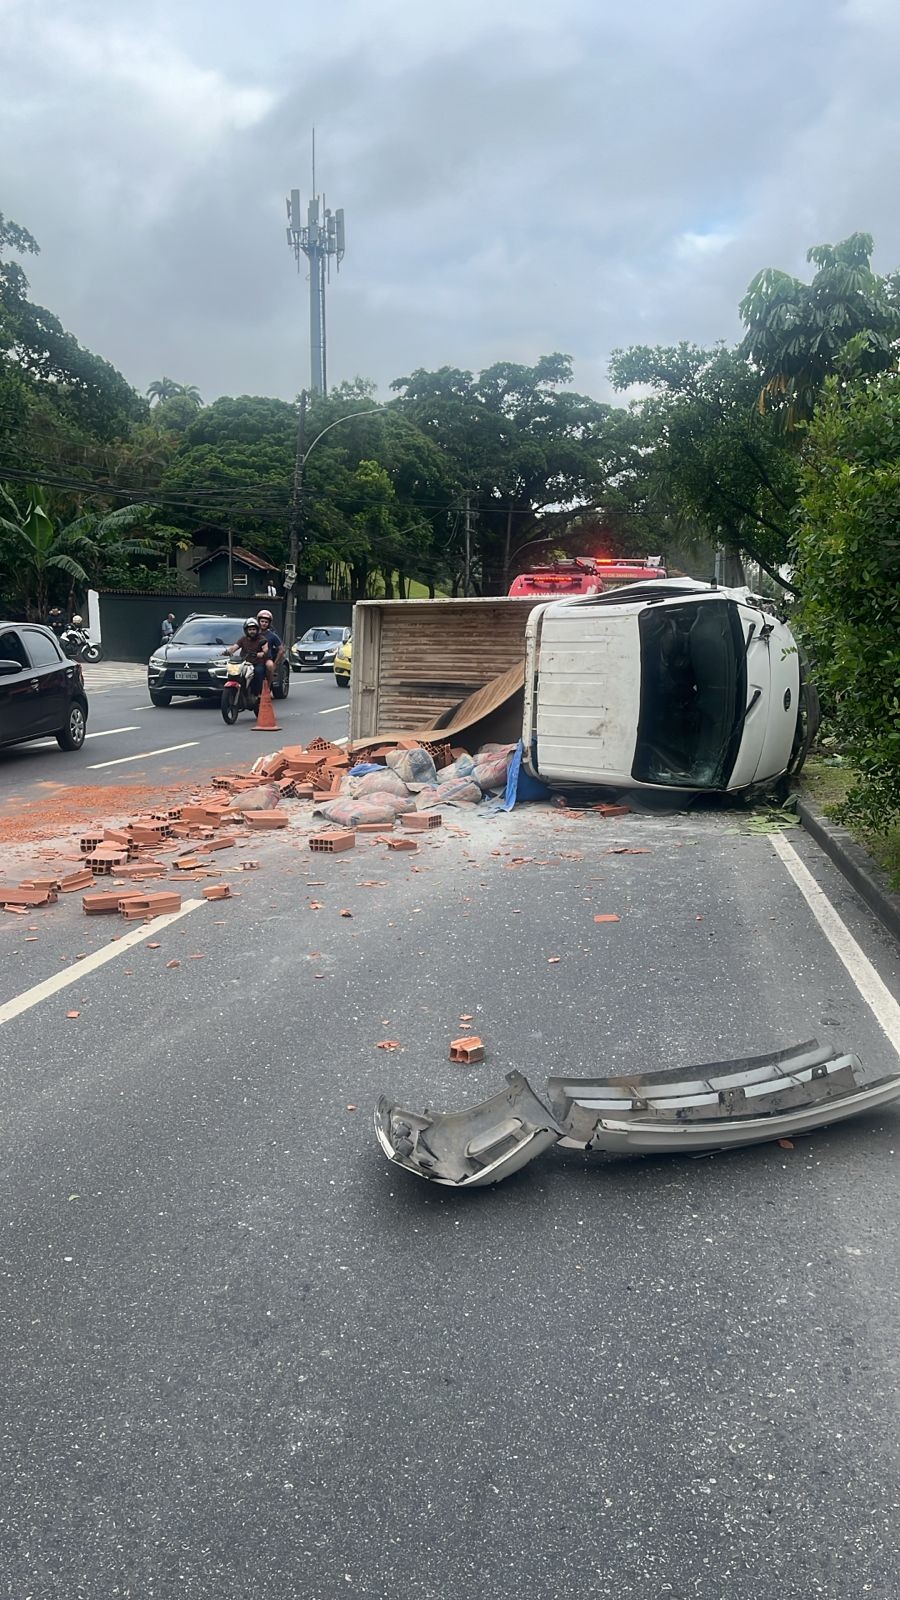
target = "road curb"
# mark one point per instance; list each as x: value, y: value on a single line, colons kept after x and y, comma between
x: 855, y: 863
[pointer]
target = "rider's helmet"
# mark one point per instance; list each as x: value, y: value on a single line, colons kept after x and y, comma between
x: 77, y: 622
x: 251, y: 625
x: 264, y: 618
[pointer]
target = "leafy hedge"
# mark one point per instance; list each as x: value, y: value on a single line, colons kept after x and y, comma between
x: 847, y: 555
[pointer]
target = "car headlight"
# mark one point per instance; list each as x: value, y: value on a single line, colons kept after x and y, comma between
x: 157, y: 662
x: 331, y: 650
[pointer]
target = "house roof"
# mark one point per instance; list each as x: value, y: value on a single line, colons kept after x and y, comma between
x: 245, y: 557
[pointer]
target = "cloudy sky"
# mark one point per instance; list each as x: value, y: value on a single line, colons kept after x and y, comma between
x: 519, y: 176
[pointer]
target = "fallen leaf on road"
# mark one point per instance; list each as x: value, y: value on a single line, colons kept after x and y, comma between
x: 72, y: 1015
x: 154, y: 945
x: 388, y: 1044
x: 173, y: 963
x: 199, y: 956
x: 606, y: 916
x: 373, y: 883
x: 786, y: 1144
x: 553, y: 961
x: 346, y: 913
x: 467, y: 1017
x: 350, y: 1106
x: 317, y: 905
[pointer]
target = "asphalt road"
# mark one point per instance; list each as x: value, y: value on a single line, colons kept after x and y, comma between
x: 131, y: 741
x: 242, y: 1356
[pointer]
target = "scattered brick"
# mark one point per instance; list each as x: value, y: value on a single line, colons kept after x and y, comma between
x: 104, y: 904
x: 106, y: 859
x: 76, y: 880
x: 266, y: 819
x: 331, y: 843
x: 399, y: 844
x: 21, y: 895
x: 421, y: 821
x: 217, y: 891
x: 468, y: 1050
x: 89, y: 842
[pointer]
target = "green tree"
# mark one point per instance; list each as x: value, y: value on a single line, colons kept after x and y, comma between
x: 522, y: 448
x: 85, y: 389
x: 36, y: 550
x: 706, y: 455
x: 847, y: 553
x: 798, y: 333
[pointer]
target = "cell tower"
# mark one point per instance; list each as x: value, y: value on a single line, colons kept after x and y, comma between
x: 321, y: 239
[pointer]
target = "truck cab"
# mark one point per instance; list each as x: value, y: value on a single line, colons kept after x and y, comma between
x: 673, y: 684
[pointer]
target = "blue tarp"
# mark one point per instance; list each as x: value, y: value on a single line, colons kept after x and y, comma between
x: 520, y: 785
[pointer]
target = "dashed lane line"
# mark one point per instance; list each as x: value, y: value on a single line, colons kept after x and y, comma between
x: 99, y: 958
x: 145, y: 755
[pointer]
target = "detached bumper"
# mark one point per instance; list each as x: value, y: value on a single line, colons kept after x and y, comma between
x: 717, y: 1107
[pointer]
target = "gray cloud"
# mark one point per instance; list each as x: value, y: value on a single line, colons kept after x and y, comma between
x: 516, y: 178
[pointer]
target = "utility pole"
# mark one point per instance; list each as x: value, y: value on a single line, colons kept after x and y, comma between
x: 320, y: 238
x: 295, y: 519
x: 467, y: 570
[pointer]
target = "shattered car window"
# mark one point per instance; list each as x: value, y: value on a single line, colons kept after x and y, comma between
x: 693, y: 692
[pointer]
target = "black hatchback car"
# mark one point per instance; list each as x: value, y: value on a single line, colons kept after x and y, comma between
x: 195, y: 660
x: 41, y: 692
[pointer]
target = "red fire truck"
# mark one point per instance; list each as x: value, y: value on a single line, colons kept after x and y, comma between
x: 586, y: 575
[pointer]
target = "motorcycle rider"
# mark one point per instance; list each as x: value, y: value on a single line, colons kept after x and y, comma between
x: 253, y: 646
x: 56, y: 621
x: 276, y: 647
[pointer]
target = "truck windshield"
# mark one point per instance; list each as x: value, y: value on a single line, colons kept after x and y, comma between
x: 693, y: 692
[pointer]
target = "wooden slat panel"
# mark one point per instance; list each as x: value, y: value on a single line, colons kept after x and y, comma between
x: 430, y: 656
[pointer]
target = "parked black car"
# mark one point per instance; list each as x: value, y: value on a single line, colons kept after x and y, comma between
x: 41, y: 692
x: 195, y: 658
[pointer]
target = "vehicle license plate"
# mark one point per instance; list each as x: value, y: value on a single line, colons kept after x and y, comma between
x: 187, y: 676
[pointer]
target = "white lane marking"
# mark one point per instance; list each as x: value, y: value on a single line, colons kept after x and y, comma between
x: 874, y: 991
x: 99, y: 958
x: 144, y: 756
x: 102, y: 733
x: 150, y: 707
x: 328, y: 709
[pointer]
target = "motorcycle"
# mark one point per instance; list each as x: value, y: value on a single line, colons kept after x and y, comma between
x: 237, y: 691
x: 77, y: 644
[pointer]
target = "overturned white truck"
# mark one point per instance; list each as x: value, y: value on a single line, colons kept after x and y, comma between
x: 675, y: 684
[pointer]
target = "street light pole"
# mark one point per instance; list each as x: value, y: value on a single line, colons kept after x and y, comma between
x: 295, y: 520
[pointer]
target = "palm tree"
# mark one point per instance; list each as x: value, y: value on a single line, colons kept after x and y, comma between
x: 162, y: 389
x: 33, y: 548
x: 167, y: 389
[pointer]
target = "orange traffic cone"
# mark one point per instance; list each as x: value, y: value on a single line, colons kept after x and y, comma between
x: 265, y: 716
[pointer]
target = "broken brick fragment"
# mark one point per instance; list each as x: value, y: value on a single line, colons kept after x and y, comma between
x: 217, y: 891
x: 467, y: 1050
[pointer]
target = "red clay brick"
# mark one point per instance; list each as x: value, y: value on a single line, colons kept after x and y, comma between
x: 18, y: 895
x: 421, y: 821
x: 371, y: 827
x: 217, y: 891
x: 468, y: 1050
x: 89, y: 842
x: 266, y: 819
x: 103, y: 904
x: 400, y: 844
x: 330, y: 843
x: 77, y: 880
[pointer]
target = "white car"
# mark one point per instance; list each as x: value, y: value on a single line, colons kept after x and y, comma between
x: 317, y: 648
x: 669, y: 685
